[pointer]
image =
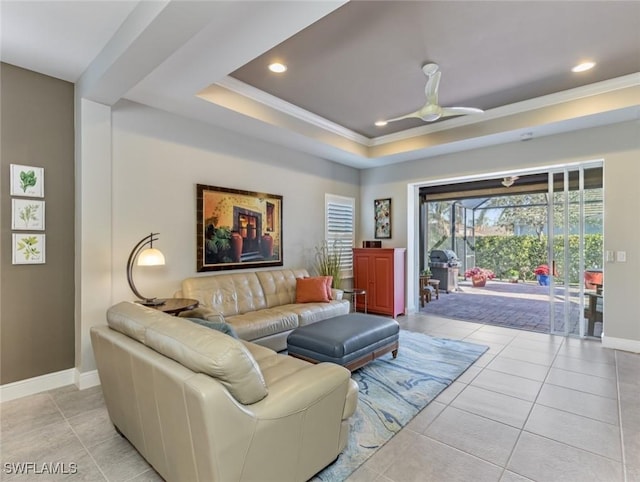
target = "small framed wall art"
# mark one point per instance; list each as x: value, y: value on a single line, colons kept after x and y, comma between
x: 27, y: 181
x: 28, y: 248
x: 27, y: 214
x: 382, y: 210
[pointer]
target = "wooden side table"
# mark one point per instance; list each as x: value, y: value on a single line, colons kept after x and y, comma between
x: 425, y: 295
x: 435, y: 283
x: 173, y: 306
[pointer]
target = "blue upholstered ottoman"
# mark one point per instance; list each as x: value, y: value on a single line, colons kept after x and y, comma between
x: 351, y: 340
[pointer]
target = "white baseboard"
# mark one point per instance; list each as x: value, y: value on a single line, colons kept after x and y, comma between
x: 87, y: 379
x: 31, y: 386
x: 623, y: 344
x: 50, y: 381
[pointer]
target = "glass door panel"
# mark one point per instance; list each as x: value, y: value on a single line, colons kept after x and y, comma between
x: 575, y: 250
x: 574, y: 255
x: 592, y: 279
x: 556, y: 250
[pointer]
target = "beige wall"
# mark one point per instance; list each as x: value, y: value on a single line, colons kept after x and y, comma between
x: 157, y: 160
x: 37, y: 301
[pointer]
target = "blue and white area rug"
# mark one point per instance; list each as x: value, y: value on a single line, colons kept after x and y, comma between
x: 392, y: 392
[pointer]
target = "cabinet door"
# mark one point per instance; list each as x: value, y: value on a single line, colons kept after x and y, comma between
x: 365, y: 278
x: 382, y: 286
x: 361, y: 277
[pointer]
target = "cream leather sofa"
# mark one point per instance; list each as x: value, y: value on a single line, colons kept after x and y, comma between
x: 200, y: 405
x: 260, y: 306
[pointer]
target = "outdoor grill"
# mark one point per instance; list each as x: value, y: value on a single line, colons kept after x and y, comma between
x: 444, y: 265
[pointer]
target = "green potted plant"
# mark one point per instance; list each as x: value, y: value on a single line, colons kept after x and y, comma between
x: 329, y: 263
x: 514, y: 275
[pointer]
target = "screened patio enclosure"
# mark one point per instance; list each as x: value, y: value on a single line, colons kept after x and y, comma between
x: 513, y: 226
x: 458, y: 216
x: 460, y: 224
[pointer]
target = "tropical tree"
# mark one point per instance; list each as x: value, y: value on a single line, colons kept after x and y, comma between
x: 439, y: 223
x: 529, y: 210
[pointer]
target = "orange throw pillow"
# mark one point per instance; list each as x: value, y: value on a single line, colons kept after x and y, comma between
x: 329, y: 280
x: 311, y: 290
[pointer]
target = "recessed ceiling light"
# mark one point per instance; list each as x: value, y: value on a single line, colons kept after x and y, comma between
x: 583, y: 67
x: 381, y: 123
x: 277, y: 67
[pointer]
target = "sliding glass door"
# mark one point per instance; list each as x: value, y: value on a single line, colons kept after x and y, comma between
x: 575, y: 250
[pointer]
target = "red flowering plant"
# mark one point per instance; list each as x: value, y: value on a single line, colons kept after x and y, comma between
x: 542, y: 269
x: 473, y: 272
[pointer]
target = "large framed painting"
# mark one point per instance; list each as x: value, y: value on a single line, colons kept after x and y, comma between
x: 237, y: 229
x: 382, y: 210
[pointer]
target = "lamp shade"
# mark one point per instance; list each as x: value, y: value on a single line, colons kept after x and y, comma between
x: 144, y: 256
x: 151, y: 257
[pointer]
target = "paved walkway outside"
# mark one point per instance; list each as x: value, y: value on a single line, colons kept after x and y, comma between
x: 523, y: 306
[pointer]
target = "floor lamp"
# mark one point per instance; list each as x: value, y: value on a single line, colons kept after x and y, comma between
x: 145, y: 257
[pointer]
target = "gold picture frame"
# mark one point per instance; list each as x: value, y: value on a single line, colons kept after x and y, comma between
x: 237, y: 229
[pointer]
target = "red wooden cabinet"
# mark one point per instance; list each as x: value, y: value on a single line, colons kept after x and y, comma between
x: 380, y: 271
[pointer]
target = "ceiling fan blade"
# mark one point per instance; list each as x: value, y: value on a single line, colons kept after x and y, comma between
x: 431, y: 89
x: 451, y: 111
x: 406, y: 116
x: 432, y: 111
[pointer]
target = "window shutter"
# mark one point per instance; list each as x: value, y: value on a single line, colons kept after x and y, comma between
x: 340, y: 232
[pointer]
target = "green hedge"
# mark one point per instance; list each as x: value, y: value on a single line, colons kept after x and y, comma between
x: 505, y: 254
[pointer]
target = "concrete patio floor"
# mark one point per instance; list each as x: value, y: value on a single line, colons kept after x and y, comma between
x: 523, y: 306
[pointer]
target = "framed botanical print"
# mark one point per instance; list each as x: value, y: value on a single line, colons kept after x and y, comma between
x: 28, y: 248
x: 27, y: 214
x: 27, y: 181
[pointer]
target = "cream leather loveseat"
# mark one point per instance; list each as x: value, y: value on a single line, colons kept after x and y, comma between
x: 200, y: 405
x: 260, y: 306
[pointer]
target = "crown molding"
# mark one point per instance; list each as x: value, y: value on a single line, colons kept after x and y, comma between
x: 631, y: 80
x: 276, y: 103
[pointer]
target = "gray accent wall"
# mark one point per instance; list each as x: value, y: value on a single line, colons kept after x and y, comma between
x: 37, y: 301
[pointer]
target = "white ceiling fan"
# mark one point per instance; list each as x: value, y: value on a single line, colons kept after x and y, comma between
x: 432, y: 111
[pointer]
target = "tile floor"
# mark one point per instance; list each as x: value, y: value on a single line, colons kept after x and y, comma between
x: 534, y: 407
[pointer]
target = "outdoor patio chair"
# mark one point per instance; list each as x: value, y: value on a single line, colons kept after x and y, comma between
x: 426, y: 294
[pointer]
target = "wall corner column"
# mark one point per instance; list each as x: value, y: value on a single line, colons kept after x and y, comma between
x: 93, y: 225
